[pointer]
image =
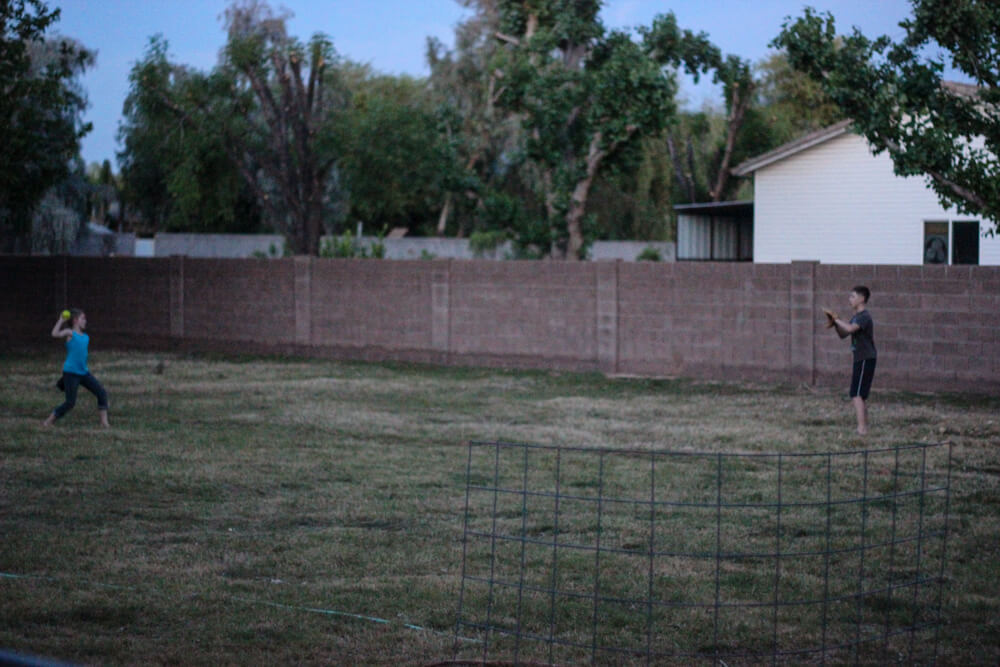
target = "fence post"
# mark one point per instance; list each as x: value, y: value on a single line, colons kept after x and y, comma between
x: 303, y: 299
x: 607, y: 315
x: 177, y: 296
x: 802, y: 321
x: 441, y: 307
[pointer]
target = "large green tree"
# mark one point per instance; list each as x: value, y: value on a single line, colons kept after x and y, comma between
x: 395, y: 160
x: 483, y: 192
x: 897, y: 99
x: 583, y: 93
x: 41, y: 106
x: 271, y: 108
x: 177, y: 174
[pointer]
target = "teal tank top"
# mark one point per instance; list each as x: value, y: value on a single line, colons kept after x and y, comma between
x: 76, y: 354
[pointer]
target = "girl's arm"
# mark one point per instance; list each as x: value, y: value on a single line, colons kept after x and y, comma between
x: 58, y: 331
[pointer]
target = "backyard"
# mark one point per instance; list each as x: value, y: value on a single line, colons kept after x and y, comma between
x: 288, y: 511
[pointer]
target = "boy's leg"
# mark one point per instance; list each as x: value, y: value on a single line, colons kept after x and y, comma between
x: 861, y: 410
x: 861, y: 384
x: 858, y: 373
x: 95, y: 388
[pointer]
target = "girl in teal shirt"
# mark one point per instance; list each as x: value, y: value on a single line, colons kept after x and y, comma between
x: 75, y: 371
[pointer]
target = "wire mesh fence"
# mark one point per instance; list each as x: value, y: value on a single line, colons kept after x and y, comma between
x: 648, y: 557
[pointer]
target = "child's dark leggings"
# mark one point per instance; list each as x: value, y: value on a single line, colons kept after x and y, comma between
x: 72, y: 382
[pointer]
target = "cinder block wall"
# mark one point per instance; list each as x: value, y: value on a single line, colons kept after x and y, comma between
x: 935, y: 326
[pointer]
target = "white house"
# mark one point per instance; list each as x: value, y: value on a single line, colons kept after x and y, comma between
x: 826, y: 197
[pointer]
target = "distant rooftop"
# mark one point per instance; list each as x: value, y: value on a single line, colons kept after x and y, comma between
x: 825, y: 134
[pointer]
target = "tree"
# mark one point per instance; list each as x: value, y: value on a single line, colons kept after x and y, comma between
x: 59, y: 217
x: 394, y: 158
x: 291, y: 165
x: 783, y: 104
x: 633, y: 198
x: 465, y: 87
x: 582, y: 93
x: 177, y: 170
x: 103, y: 187
x: 271, y: 107
x: 896, y: 98
x: 792, y: 103
x: 40, y: 110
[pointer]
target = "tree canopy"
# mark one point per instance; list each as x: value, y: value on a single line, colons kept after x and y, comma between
x: 895, y: 94
x: 41, y: 106
x: 540, y: 126
x: 177, y: 174
x: 582, y: 93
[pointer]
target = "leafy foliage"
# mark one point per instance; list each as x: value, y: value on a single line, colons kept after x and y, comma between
x: 396, y: 163
x: 583, y: 94
x: 40, y: 110
x: 790, y: 102
x: 176, y: 173
x: 57, y: 219
x: 267, y: 112
x: 895, y: 95
x: 347, y: 246
x: 486, y: 190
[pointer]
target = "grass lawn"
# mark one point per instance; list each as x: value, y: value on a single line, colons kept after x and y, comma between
x: 274, y: 511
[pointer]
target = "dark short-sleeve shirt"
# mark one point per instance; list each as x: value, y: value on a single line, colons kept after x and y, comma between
x: 863, y: 340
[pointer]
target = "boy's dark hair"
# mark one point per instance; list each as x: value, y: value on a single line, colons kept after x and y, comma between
x: 863, y: 291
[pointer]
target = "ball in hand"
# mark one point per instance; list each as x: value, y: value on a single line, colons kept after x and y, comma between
x: 66, y: 314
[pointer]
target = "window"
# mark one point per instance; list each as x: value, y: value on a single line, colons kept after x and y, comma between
x: 965, y: 243
x: 935, y: 243
x: 951, y: 242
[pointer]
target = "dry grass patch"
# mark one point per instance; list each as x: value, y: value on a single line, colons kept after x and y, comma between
x: 241, y: 510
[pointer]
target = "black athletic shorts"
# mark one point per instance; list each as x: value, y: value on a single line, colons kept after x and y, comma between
x: 861, y: 378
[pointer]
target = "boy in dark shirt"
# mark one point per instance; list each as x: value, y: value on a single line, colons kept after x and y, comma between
x: 861, y: 329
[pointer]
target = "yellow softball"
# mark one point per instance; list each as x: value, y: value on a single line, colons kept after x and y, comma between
x: 66, y: 314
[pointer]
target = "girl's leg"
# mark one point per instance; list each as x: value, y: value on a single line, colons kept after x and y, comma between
x: 95, y: 388
x: 72, y: 384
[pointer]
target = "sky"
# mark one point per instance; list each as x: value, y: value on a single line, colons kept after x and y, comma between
x: 391, y: 36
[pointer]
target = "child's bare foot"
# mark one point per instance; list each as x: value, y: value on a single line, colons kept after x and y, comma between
x: 49, y: 421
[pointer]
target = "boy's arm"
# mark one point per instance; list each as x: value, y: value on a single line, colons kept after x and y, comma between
x: 845, y: 329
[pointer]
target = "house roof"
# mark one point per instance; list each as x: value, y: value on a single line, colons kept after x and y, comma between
x: 793, y: 147
x: 962, y: 89
x: 827, y: 133
x: 731, y: 208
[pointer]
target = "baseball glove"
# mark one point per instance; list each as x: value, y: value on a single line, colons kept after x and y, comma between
x: 830, y: 317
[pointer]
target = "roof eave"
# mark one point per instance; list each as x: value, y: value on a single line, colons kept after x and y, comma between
x: 792, y: 147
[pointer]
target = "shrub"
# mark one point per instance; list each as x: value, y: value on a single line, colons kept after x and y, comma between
x: 649, y: 254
